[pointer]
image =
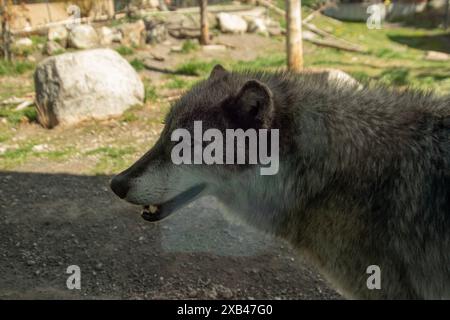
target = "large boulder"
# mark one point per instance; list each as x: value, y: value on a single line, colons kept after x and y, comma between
x: 83, y: 36
x: 231, y: 23
x: 91, y: 84
x: 256, y: 19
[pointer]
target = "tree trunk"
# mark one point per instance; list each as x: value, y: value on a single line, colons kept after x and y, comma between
x: 204, y: 28
x: 294, y: 35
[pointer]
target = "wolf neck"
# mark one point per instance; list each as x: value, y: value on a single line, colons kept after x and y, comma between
x: 333, y: 148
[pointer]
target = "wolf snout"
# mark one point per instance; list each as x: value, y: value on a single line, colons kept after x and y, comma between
x: 120, y: 186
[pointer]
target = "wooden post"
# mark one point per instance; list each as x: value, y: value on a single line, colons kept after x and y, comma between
x: 48, y: 11
x: 204, y: 28
x: 6, y: 34
x: 447, y: 15
x: 294, y: 41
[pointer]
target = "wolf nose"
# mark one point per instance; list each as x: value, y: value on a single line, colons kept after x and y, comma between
x: 120, y: 186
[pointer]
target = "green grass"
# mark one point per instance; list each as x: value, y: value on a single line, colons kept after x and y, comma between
x: 125, y: 51
x: 150, y: 92
x: 11, y: 89
x: 395, y: 55
x: 189, y: 46
x: 56, y: 155
x: 17, y: 156
x: 137, y: 64
x: 196, y: 67
x: 8, y: 68
x: 15, y: 117
x: 387, y: 53
x: 273, y: 61
x: 130, y: 114
x: 111, y: 159
x: 5, y: 136
x: 177, y: 83
x: 111, y: 152
x: 58, y: 52
x: 395, y: 76
x: 38, y: 40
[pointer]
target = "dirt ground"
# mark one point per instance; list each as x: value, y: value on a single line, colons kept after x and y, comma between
x: 56, y: 210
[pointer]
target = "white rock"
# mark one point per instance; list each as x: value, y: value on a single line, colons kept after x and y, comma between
x: 231, y: 23
x: 23, y: 43
x: 342, y: 77
x: 214, y: 47
x: 58, y: 34
x: 106, y: 36
x: 31, y: 59
x: 176, y: 48
x: 336, y: 76
x: 22, y: 46
x: 40, y: 148
x: 437, y: 56
x: 153, y: 3
x: 3, y: 149
x: 257, y: 25
x: 91, y: 84
x: 83, y: 36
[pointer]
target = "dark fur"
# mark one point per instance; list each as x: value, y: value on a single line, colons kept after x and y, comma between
x: 364, y: 175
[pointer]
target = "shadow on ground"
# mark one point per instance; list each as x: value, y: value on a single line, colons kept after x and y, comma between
x: 437, y: 42
x: 51, y: 221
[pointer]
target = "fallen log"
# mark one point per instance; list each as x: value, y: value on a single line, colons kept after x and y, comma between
x: 45, y: 27
x: 334, y: 45
x: 184, y: 33
x: 24, y: 105
x: 168, y: 71
x: 271, y: 6
x: 311, y: 27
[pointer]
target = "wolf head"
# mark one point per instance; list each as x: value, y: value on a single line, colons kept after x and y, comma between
x: 222, y: 102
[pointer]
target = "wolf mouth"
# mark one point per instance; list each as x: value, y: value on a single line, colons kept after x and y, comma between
x: 157, y: 212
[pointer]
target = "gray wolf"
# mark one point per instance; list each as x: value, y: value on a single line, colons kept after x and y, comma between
x: 364, y: 175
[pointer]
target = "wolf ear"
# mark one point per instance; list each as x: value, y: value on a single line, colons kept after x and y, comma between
x: 218, y: 71
x: 254, y: 105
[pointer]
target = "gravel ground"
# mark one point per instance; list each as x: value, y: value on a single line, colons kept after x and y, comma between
x: 51, y: 221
